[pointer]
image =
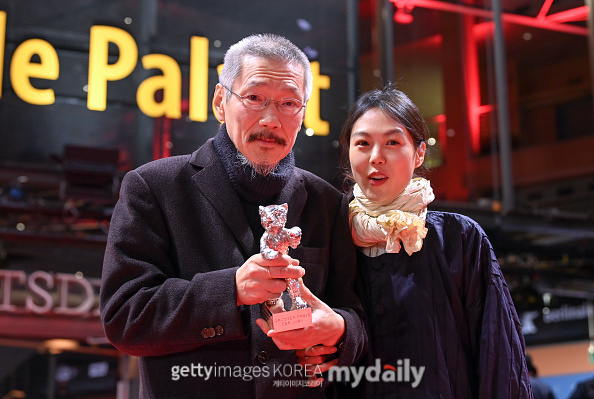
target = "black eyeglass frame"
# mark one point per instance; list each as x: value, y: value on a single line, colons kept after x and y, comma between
x: 267, y: 101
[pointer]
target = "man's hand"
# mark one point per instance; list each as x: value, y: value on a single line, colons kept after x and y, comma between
x: 317, y: 355
x: 314, y: 358
x: 328, y: 326
x: 259, y: 280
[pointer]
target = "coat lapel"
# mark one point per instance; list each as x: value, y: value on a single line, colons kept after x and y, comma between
x: 212, y: 180
x: 295, y: 195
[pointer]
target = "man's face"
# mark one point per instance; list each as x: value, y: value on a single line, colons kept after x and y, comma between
x: 264, y: 136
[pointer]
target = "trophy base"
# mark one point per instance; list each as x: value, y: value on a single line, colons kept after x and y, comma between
x: 280, y: 320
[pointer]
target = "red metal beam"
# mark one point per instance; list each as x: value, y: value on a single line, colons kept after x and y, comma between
x: 547, y: 23
x: 575, y: 14
x: 544, y: 9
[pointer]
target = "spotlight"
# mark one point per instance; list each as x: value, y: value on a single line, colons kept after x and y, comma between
x: 311, y: 52
x: 403, y: 11
x: 304, y: 24
x: 57, y: 346
x: 402, y: 17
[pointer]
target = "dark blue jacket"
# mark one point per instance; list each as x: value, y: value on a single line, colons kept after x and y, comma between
x: 446, y: 308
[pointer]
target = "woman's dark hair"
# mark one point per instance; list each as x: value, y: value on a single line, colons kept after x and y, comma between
x: 395, y: 104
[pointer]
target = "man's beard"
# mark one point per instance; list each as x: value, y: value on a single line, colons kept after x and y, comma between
x: 257, y: 169
x: 261, y: 169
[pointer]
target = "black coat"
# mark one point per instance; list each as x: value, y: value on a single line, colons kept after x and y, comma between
x: 178, y: 234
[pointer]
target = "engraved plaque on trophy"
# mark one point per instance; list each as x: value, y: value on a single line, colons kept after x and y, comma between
x: 289, y: 311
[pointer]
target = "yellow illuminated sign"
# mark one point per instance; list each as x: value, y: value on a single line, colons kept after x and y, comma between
x: 2, y: 41
x: 22, y: 70
x: 312, y: 116
x: 102, y: 71
x: 198, y: 79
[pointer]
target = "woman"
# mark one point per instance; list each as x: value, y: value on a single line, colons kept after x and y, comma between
x: 440, y: 318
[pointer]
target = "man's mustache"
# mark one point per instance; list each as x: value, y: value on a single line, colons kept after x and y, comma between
x: 265, y: 135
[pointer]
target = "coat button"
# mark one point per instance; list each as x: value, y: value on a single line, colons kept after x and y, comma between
x: 219, y: 330
x: 263, y: 357
x: 204, y: 333
x: 211, y: 332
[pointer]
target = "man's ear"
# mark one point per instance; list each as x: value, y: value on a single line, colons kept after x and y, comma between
x: 420, y: 155
x: 304, y: 110
x: 218, y: 103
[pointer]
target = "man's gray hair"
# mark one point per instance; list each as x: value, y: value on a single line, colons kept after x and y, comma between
x: 267, y: 46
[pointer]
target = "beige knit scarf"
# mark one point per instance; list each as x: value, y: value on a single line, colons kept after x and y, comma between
x: 378, y: 229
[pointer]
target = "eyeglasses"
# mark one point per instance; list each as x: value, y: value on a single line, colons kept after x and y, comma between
x: 257, y: 102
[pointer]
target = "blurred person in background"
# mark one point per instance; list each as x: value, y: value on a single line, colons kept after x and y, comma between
x: 583, y: 390
x: 540, y: 389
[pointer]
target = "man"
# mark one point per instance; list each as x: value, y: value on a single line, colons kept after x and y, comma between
x: 182, y: 275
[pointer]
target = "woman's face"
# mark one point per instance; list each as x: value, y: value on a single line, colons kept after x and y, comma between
x: 383, y: 156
